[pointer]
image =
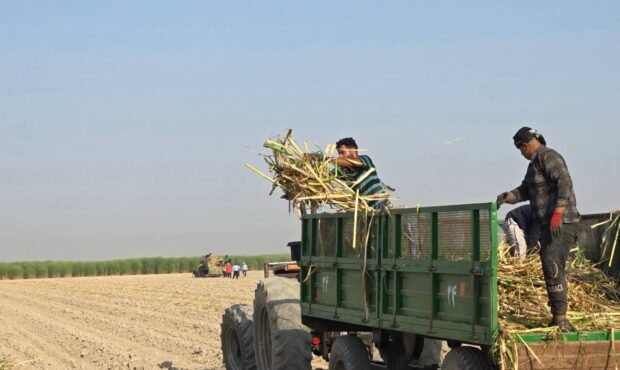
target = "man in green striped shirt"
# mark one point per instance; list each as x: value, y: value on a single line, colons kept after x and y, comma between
x: 360, y: 171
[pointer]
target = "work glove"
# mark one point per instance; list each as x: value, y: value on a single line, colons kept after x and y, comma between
x: 556, y: 223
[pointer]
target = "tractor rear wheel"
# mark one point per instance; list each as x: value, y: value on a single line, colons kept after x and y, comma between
x: 237, y: 338
x: 349, y: 353
x: 465, y: 358
x: 281, y: 341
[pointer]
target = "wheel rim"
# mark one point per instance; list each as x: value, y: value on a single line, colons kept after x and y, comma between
x: 265, y: 333
x: 233, y: 348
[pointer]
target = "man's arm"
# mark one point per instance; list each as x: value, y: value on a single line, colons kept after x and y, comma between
x: 557, y: 172
x: 519, y: 194
x: 348, y: 162
x: 516, y: 195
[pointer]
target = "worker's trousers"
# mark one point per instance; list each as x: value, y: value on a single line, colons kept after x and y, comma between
x: 553, y: 255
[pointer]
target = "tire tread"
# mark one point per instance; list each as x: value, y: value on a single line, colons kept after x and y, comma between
x: 465, y: 358
x: 290, y: 339
x: 239, y: 317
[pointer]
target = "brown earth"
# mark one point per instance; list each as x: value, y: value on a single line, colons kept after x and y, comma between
x: 118, y: 322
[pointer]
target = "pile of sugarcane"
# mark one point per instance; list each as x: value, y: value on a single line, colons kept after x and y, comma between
x: 593, y: 300
x: 310, y: 179
x: 211, y: 261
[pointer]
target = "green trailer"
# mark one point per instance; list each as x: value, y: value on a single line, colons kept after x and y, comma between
x: 395, y: 283
x: 415, y: 273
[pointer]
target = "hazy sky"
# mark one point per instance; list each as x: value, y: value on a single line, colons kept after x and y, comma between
x: 125, y: 126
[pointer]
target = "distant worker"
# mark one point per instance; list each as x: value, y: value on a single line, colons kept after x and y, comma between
x: 244, y: 268
x: 522, y: 231
x: 236, y: 268
x: 228, y: 269
x: 549, y: 188
x: 359, y: 171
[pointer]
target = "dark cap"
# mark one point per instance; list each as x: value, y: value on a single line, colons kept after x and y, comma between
x: 526, y: 134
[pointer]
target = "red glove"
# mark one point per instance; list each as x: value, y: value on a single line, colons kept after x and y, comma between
x: 556, y: 222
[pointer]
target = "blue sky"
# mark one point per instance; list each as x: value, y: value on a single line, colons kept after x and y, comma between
x: 125, y: 127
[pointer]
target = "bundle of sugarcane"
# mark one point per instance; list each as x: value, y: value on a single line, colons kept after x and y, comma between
x: 310, y: 179
x: 214, y: 262
x: 593, y: 300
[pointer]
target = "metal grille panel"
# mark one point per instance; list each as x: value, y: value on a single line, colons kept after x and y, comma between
x: 455, y: 236
x: 390, y: 246
x: 373, y: 239
x: 326, y: 237
x: 363, y: 226
x: 485, y: 235
x: 415, y: 236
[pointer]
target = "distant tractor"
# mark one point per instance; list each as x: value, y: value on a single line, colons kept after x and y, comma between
x: 208, y: 266
x: 289, y: 269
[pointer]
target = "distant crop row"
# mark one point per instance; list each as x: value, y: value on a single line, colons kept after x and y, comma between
x: 133, y: 266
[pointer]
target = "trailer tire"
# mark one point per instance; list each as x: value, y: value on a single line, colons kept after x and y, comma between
x: 237, y: 338
x: 349, y: 353
x: 281, y: 341
x: 465, y: 358
x: 400, y: 349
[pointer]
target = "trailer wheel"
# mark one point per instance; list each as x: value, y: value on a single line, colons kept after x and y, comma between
x: 465, y: 358
x: 237, y: 338
x: 349, y: 353
x: 281, y: 341
x: 400, y: 349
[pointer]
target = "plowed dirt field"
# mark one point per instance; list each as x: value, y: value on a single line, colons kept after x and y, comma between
x: 118, y: 322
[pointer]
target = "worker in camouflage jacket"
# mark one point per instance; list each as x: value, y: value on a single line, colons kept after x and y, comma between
x: 549, y: 188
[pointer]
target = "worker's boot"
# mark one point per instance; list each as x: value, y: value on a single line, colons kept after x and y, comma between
x: 563, y: 324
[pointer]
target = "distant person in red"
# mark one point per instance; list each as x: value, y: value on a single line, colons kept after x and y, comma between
x: 228, y: 269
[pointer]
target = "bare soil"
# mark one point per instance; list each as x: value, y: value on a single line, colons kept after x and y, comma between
x: 118, y: 322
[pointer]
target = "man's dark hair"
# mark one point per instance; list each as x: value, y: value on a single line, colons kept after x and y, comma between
x: 347, y: 141
x: 526, y: 134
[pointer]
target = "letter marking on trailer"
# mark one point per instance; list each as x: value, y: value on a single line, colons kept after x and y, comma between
x: 452, y: 291
x: 325, y: 283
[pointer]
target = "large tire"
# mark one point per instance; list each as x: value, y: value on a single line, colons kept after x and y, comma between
x: 237, y: 338
x: 400, y: 349
x: 465, y: 358
x: 281, y: 342
x: 349, y: 353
